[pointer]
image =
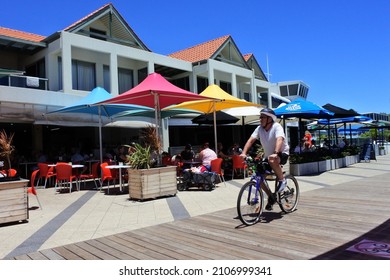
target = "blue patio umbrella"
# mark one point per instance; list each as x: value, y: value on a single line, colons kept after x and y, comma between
x: 344, y: 121
x: 88, y: 105
x: 303, y: 109
x: 355, y: 119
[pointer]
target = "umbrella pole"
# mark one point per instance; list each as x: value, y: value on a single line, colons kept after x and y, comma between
x: 100, y: 135
x: 157, y: 115
x: 215, y: 128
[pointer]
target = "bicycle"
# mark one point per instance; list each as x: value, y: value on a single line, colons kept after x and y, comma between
x: 250, y: 201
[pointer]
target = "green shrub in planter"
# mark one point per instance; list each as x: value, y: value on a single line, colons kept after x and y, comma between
x: 140, y: 158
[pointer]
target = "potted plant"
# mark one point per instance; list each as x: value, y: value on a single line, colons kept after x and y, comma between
x: 13, y: 190
x: 146, y: 178
x: 6, y: 150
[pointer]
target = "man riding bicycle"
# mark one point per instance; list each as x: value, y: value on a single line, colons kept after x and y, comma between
x: 276, y: 149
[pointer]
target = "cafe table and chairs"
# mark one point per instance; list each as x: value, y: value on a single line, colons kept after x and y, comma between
x: 93, y: 174
x: 65, y: 177
x: 74, y: 167
x: 46, y: 172
x: 119, y: 167
x: 106, y: 175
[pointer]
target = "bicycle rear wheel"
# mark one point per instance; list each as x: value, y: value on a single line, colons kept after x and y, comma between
x: 290, y: 196
x: 250, y: 203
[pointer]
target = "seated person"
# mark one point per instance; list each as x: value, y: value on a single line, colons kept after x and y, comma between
x: 206, y: 155
x: 76, y: 157
x: 187, y: 155
x: 122, y: 154
x: 299, y: 148
x: 343, y: 143
x: 235, y: 150
x: 220, y: 151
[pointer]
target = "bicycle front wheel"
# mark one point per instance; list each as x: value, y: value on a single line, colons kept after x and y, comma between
x: 290, y: 196
x: 250, y: 203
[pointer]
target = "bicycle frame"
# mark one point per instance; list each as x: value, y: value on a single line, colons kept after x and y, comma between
x: 250, y: 199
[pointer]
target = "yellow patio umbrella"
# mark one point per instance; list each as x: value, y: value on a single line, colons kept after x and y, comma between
x: 222, y: 100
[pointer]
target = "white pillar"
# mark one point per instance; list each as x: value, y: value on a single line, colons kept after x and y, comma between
x: 114, y: 89
x: 66, y: 54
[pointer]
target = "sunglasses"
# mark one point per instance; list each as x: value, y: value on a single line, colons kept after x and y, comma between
x: 263, y: 117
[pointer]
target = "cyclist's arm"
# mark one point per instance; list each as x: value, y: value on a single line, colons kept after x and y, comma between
x: 247, y: 146
x: 278, y: 145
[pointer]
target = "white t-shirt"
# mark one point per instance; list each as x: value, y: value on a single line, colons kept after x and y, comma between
x: 268, y: 138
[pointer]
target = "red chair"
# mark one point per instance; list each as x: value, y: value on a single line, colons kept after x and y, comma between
x: 12, y: 172
x: 238, y: 164
x: 216, y: 167
x: 94, y: 174
x: 32, y: 189
x: 106, y: 176
x: 46, y: 172
x: 65, y: 176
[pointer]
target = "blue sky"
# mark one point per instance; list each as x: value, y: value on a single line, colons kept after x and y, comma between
x: 339, y: 48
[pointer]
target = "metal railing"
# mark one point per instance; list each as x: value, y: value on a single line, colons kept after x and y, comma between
x: 24, y: 81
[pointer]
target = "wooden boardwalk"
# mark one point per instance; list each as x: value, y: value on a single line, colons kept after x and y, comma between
x: 328, y: 222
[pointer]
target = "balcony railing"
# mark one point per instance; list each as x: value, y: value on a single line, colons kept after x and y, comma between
x: 24, y: 81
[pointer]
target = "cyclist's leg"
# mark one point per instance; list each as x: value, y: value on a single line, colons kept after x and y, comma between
x: 266, y: 189
x: 271, y: 196
x: 274, y: 162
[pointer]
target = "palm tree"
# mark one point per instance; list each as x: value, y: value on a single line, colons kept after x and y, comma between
x: 6, y: 147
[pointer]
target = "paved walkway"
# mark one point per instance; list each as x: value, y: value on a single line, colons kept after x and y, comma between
x: 85, y: 215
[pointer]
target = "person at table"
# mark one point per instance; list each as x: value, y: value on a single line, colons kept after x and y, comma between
x: 307, y: 137
x: 122, y: 153
x: 343, y: 143
x: 220, y: 151
x: 206, y: 155
x: 76, y: 156
x: 187, y: 155
x: 235, y: 150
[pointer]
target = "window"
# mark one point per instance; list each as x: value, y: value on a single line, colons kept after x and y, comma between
x: 247, y: 96
x: 97, y: 34
x: 226, y: 86
x: 83, y: 75
x: 60, y: 86
x: 106, y: 78
x: 283, y: 91
x: 37, y: 69
x: 125, y: 79
x: 183, y: 83
x: 142, y: 74
x: 293, y: 89
x: 263, y: 99
x: 202, y: 84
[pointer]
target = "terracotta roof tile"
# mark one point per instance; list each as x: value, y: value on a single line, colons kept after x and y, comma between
x: 247, y: 56
x: 20, y: 35
x: 200, y: 52
x: 86, y: 17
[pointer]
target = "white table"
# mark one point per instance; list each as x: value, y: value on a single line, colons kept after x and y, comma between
x: 120, y: 167
x: 73, y: 166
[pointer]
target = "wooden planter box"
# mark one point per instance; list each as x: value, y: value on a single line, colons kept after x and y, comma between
x: 152, y: 183
x: 13, y: 201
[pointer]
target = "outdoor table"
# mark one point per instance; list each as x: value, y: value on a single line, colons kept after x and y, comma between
x: 26, y: 164
x: 120, y: 167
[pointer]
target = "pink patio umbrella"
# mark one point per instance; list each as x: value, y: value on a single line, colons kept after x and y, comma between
x: 156, y: 92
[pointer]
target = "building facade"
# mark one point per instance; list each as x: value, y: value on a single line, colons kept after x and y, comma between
x: 40, y: 74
